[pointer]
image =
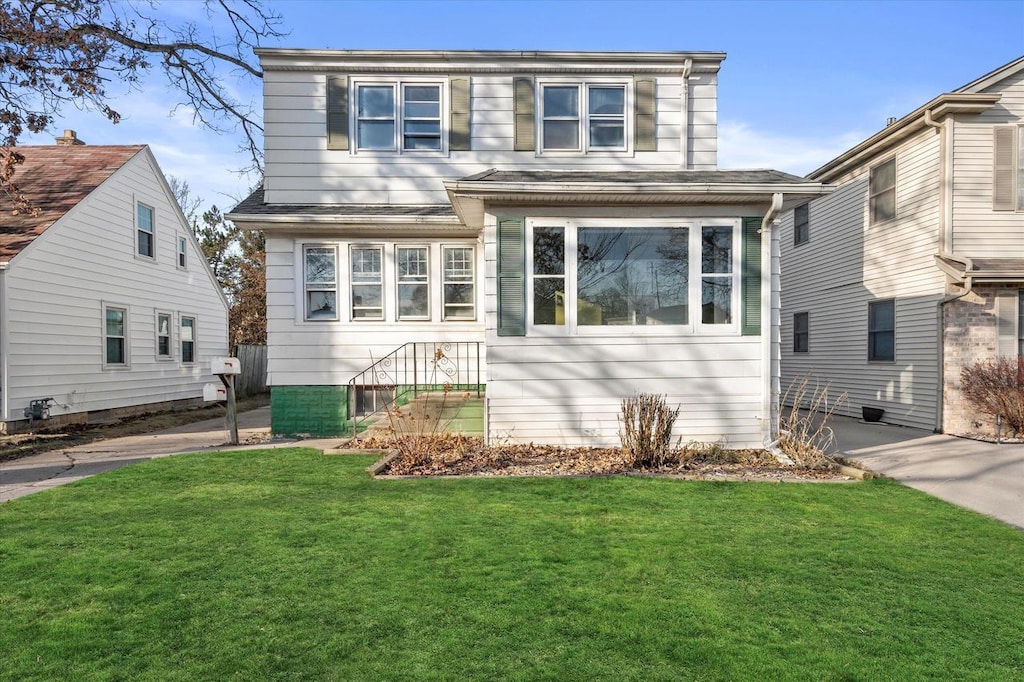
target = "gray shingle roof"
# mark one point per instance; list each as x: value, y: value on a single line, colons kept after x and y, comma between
x: 716, y: 177
x: 253, y: 206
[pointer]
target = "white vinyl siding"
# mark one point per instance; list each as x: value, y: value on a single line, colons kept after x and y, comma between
x: 56, y: 288
x: 846, y: 265
x: 331, y: 353
x: 559, y: 388
x: 300, y: 169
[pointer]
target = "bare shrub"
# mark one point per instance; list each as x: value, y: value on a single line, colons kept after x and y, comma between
x: 805, y: 434
x: 996, y: 387
x: 646, y: 434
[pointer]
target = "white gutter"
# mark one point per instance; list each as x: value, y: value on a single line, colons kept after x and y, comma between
x: 770, y: 370
x: 945, y: 130
x: 4, y: 355
x: 684, y: 97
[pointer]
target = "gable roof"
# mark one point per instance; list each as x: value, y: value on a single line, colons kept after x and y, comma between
x: 54, y: 179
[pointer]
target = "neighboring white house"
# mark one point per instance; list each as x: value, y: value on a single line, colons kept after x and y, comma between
x: 914, y: 267
x: 556, y: 217
x: 106, y: 300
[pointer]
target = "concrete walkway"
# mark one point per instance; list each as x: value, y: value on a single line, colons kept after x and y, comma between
x: 49, y: 469
x: 985, y: 477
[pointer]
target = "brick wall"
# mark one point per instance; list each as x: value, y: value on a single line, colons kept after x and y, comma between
x: 309, y: 410
x: 971, y: 334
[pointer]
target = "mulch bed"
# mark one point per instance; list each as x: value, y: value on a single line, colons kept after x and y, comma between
x: 463, y: 456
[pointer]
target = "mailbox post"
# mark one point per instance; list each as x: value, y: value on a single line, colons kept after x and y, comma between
x: 226, y: 369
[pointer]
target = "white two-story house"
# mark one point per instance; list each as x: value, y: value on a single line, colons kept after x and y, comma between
x: 555, y: 219
x: 914, y: 267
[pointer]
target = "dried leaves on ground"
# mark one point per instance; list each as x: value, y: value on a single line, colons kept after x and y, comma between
x: 458, y: 455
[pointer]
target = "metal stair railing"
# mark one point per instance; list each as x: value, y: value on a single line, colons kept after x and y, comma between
x: 413, y: 368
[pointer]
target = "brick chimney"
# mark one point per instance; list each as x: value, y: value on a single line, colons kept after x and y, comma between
x: 69, y: 139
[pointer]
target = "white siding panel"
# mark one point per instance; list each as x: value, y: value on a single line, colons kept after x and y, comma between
x: 56, y: 288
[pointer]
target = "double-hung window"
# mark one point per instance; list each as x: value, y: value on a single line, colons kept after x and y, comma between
x: 801, y: 224
x: 801, y: 332
x: 882, y: 331
x: 601, y: 273
x: 457, y: 284
x: 367, y: 282
x: 582, y: 117
x: 398, y: 116
x: 145, y: 237
x: 115, y: 336
x: 182, y: 252
x: 188, y: 339
x: 413, y: 282
x: 320, y: 264
x: 163, y: 336
x: 882, y: 191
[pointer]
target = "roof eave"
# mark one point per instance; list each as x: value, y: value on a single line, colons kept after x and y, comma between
x: 941, y: 106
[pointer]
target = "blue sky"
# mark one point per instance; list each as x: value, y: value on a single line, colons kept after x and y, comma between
x: 802, y: 82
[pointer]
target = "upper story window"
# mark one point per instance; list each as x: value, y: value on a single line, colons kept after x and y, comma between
x: 182, y: 252
x: 145, y: 240
x: 882, y: 191
x: 583, y: 117
x: 801, y: 224
x: 1008, y: 168
x: 398, y: 116
x: 611, y: 273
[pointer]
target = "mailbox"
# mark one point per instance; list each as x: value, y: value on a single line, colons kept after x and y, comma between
x: 212, y: 393
x: 225, y: 366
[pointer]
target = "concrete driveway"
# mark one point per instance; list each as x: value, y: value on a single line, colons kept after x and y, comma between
x: 985, y: 477
x: 50, y: 469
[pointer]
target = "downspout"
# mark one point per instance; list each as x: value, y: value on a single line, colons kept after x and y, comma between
x: 684, y: 135
x: 770, y: 369
x: 945, y: 246
x: 4, y: 365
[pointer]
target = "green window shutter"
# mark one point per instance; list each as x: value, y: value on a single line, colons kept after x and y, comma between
x: 511, y: 277
x: 644, y: 120
x: 337, y: 112
x: 750, y: 278
x: 523, y: 93
x: 1004, y: 173
x: 458, y: 135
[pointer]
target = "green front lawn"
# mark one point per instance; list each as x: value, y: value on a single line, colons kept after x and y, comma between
x: 289, y: 564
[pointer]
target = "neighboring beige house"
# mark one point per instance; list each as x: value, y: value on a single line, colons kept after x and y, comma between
x: 914, y: 267
x: 106, y: 302
x: 553, y: 219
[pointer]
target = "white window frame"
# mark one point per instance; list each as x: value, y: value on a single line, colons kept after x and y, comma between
x: 170, y: 335
x: 125, y: 338
x: 138, y: 230
x: 380, y: 283
x: 181, y: 258
x: 195, y: 338
x: 584, y: 117
x: 398, y: 86
x: 424, y: 282
x: 319, y: 286
x: 472, y: 305
x: 694, y: 325
x: 873, y: 195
